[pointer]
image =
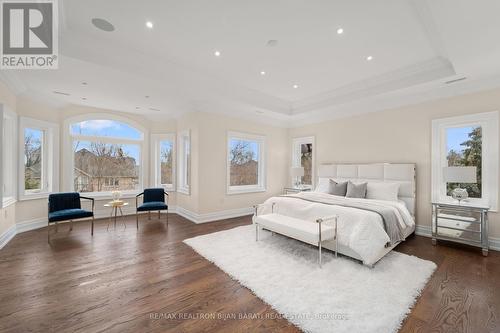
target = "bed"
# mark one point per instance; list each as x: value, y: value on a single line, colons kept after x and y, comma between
x: 364, y: 231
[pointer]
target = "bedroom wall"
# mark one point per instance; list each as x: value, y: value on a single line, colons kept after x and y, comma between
x: 208, y: 163
x: 399, y: 135
x: 213, y: 161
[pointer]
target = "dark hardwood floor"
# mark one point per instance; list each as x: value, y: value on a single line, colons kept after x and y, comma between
x: 124, y: 280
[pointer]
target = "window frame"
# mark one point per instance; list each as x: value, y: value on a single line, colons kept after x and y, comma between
x: 156, y: 140
x: 8, y: 129
x: 262, y: 177
x: 184, y: 173
x: 50, y: 158
x: 69, y: 161
x: 489, y: 127
x: 296, y: 152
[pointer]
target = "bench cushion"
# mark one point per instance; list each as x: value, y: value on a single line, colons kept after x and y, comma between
x: 302, y: 230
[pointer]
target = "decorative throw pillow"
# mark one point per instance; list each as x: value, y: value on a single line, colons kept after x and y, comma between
x: 339, y: 189
x: 356, y: 190
x: 382, y: 191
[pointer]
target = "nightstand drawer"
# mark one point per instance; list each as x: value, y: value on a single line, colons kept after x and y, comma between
x: 451, y: 223
x: 463, y: 215
x: 459, y: 234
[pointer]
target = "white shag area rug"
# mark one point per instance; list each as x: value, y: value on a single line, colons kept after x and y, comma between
x: 342, y: 296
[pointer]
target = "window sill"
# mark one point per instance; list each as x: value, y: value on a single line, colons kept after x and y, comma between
x: 33, y: 196
x: 185, y: 191
x: 8, y: 202
x: 108, y: 196
x: 244, y: 190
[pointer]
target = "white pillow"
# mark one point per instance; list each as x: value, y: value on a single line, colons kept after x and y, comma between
x: 382, y: 191
x: 323, y: 186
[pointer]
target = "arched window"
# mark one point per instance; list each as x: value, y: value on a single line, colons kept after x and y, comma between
x: 106, y: 155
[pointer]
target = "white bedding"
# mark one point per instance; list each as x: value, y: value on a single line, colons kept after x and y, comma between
x: 360, y: 230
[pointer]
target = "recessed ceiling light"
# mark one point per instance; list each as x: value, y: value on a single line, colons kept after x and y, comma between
x: 137, y: 108
x: 340, y: 31
x: 84, y: 83
x: 84, y: 98
x: 147, y: 96
x: 262, y: 73
x: 149, y: 24
x: 369, y: 58
x: 295, y: 86
x: 217, y: 53
x: 102, y: 24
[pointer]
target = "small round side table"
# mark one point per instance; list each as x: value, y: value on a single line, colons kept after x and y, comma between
x: 115, y: 206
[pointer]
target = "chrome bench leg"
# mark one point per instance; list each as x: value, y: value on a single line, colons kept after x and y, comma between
x: 256, y: 232
x: 319, y: 252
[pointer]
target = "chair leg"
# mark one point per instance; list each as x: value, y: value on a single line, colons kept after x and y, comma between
x: 70, y: 225
x: 137, y: 219
x: 159, y: 218
x: 48, y: 232
x: 149, y: 215
x: 167, y: 217
x: 92, y: 228
x: 56, y: 227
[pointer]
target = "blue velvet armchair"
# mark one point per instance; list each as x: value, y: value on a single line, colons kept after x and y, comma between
x: 67, y: 207
x: 154, y: 200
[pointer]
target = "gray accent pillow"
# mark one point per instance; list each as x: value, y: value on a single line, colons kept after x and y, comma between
x: 339, y: 189
x: 356, y: 190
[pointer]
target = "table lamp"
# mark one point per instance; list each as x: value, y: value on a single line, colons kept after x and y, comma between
x: 297, y: 173
x: 460, y: 175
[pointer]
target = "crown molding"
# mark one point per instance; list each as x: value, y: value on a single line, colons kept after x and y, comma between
x: 405, y: 77
x: 392, y: 100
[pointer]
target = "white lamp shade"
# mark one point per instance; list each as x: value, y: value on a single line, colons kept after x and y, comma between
x: 297, y: 172
x: 460, y: 174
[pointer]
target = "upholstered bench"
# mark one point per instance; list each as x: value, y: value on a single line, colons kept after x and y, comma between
x: 313, y: 233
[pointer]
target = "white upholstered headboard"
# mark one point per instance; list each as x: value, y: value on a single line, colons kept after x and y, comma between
x: 402, y: 173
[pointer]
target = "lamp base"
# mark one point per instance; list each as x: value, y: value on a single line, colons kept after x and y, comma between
x: 459, y: 194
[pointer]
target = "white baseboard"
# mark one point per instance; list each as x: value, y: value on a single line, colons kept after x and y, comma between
x: 215, y: 216
x: 7, y: 236
x: 425, y: 230
x: 31, y: 225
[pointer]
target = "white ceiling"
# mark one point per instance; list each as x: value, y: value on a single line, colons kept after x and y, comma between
x: 416, y: 46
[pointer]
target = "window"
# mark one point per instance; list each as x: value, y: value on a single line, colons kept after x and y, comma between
x: 464, y: 148
x: 106, y: 155
x: 245, y: 163
x: 33, y: 151
x: 8, y: 126
x: 39, y: 168
x: 164, y: 156
x: 184, y: 162
x: 466, y: 141
x: 302, y: 156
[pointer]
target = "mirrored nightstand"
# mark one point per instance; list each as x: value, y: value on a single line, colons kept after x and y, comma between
x: 464, y: 223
